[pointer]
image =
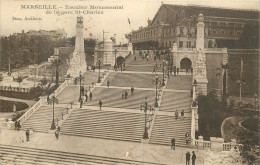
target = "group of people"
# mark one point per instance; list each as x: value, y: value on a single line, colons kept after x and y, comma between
x: 177, y: 115
x: 125, y: 93
x: 17, y: 125
x: 188, y: 156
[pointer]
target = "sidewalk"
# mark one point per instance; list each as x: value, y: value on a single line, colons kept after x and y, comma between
x: 103, y: 147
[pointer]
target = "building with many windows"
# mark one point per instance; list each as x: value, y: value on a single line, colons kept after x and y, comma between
x: 177, y: 24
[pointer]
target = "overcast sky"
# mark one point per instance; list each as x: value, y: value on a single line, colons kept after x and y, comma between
x: 112, y: 21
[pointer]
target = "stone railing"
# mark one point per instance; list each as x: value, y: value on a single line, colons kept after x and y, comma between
x: 36, y: 106
x: 215, y: 50
x: 29, y: 112
x: 215, y: 144
x: 186, y: 49
x: 16, y: 89
x: 59, y: 89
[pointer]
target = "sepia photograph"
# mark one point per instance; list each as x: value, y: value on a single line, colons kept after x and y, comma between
x: 129, y: 82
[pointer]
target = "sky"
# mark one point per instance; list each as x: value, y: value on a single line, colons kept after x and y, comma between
x: 112, y: 21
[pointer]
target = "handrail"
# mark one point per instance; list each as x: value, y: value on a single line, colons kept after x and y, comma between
x: 27, y: 114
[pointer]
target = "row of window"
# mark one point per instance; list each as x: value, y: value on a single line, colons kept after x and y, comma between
x: 224, y: 24
x: 214, y: 32
x: 189, y: 44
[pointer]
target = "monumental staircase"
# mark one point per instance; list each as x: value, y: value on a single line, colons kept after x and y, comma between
x: 112, y: 97
x: 105, y: 124
x: 167, y: 127
x: 41, y: 120
x: 31, y: 156
x: 141, y: 65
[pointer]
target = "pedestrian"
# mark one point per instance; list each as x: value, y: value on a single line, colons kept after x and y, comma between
x: 154, y: 57
x: 147, y: 57
x: 154, y: 69
x: 126, y: 94
x: 121, y: 66
x: 100, y: 104
x: 173, y: 144
x: 132, y: 90
x: 123, y: 95
x: 124, y: 64
x: 134, y: 58
x: 18, y: 125
x: 27, y: 133
x: 177, y: 70
x: 75, y: 81
x: 57, y: 133
x: 174, y: 71
x: 187, y: 70
x: 176, y: 115
x: 187, y: 137
x: 191, y: 70
x: 108, y: 83
x: 187, y: 158
x: 58, y: 128
x: 182, y: 115
x: 48, y: 99
x: 191, y: 92
x: 90, y: 96
x: 193, y: 158
x: 81, y: 102
x: 86, y: 97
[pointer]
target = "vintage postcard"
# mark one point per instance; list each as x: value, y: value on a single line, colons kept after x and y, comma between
x: 138, y: 82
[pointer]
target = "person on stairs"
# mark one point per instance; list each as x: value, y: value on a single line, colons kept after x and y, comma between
x: 90, y: 96
x: 86, y: 97
x: 173, y: 144
x: 176, y: 114
x: 27, y: 133
x: 132, y: 90
x: 108, y: 83
x: 182, y: 115
x: 100, y: 104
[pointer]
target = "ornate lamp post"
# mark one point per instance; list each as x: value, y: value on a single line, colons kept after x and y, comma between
x: 99, y: 63
x: 145, y: 107
x: 53, y: 100
x: 163, y: 84
x: 80, y: 79
x: 115, y: 56
x: 156, y: 81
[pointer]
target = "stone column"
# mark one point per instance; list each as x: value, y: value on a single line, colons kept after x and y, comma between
x: 130, y: 48
x: 108, y: 56
x: 174, y: 54
x: 200, y: 74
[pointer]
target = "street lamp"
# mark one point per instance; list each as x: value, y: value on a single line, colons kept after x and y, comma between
x: 156, y: 81
x: 255, y: 96
x: 115, y: 60
x: 163, y: 84
x: 80, y: 79
x: 145, y: 107
x: 53, y: 100
x: 99, y: 63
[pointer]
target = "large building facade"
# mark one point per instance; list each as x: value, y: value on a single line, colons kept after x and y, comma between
x: 178, y: 24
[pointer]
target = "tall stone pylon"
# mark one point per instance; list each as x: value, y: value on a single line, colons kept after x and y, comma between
x: 200, y: 73
x: 78, y: 61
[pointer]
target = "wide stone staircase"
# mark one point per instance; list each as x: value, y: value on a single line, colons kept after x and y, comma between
x: 141, y: 65
x: 41, y: 120
x: 112, y: 97
x: 167, y: 127
x: 172, y: 101
x: 105, y: 124
x: 13, y: 155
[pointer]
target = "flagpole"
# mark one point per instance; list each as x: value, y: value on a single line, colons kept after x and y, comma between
x: 240, y: 83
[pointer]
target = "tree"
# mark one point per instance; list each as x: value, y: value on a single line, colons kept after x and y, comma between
x: 19, y: 79
x: 1, y: 77
x: 55, y: 64
x: 44, y: 81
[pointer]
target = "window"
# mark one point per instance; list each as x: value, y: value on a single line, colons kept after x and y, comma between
x: 222, y: 32
x: 214, y: 32
x: 181, y: 31
x: 188, y: 44
x: 238, y: 33
x: 180, y: 44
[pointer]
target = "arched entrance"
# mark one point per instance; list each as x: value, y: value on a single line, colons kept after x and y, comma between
x: 119, y: 60
x: 185, y: 63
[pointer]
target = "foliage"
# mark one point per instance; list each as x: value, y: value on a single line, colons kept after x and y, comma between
x: 24, y: 49
x: 44, y: 81
x: 7, y: 106
x: 1, y: 77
